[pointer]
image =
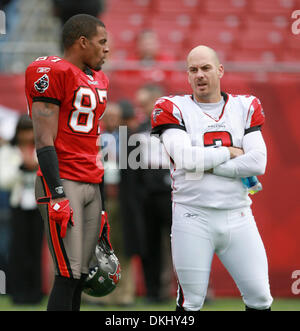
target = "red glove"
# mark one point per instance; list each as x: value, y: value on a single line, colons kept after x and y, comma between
x: 59, y: 212
x: 105, y: 229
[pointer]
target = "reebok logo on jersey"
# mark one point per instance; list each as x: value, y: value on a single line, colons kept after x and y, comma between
x: 43, y: 69
x: 42, y: 84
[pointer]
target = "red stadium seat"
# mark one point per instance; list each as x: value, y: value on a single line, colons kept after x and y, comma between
x: 133, y: 19
x: 227, y: 22
x: 123, y: 6
x: 274, y: 23
x: 225, y: 7
x: 220, y: 40
x: 123, y: 29
x: 171, y: 39
x: 273, y: 7
x: 178, y: 83
x: 176, y: 6
x: 123, y: 39
x: 290, y: 56
x: 248, y: 56
x: 260, y: 39
x: 293, y: 42
x: 169, y: 22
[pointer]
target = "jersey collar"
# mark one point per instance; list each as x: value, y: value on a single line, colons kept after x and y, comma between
x: 225, y: 97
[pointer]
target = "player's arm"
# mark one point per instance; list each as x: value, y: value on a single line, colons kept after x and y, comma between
x: 252, y: 163
x: 194, y: 158
x: 45, y: 123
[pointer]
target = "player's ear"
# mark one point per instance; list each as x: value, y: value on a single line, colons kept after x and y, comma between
x: 188, y: 77
x: 83, y: 42
x: 221, y: 70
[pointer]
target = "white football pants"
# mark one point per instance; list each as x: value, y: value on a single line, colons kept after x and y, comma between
x: 198, y: 233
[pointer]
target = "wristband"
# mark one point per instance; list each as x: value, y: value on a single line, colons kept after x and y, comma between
x: 48, y: 162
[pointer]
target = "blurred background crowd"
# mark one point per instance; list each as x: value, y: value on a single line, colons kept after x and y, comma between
x: 149, y: 41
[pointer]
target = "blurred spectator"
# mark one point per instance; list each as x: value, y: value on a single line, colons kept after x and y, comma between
x: 18, y: 171
x: 125, y: 292
x: 129, y: 118
x: 130, y: 197
x: 65, y: 9
x: 12, y: 15
x: 157, y: 208
x: 148, y: 50
x: 8, y: 120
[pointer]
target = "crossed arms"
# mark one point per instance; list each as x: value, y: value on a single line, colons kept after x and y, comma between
x: 221, y: 161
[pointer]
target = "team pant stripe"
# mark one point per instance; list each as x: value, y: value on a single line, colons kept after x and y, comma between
x: 181, y: 296
x: 62, y: 262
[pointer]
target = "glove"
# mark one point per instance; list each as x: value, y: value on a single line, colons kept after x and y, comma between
x: 104, y: 231
x: 59, y: 212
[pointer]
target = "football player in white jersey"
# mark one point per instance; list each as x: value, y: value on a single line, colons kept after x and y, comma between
x: 221, y: 135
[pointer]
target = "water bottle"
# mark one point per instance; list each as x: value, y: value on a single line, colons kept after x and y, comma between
x: 253, y: 184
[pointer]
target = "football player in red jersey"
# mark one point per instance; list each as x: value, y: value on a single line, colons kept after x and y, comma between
x: 66, y: 98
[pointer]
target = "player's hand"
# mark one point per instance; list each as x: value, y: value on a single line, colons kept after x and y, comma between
x: 105, y: 229
x: 235, y: 151
x: 59, y: 212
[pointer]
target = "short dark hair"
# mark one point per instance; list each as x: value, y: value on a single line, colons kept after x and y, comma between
x: 77, y: 26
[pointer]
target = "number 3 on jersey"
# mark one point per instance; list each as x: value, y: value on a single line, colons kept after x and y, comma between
x: 217, y: 138
x: 85, y: 103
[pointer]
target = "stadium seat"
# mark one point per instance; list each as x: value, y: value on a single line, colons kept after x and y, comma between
x: 225, y: 7
x: 274, y: 23
x: 261, y: 39
x: 133, y: 19
x: 222, y: 40
x: 236, y: 82
x: 171, y: 39
x: 227, y: 22
x: 290, y: 56
x: 123, y: 39
x: 176, y: 6
x: 293, y: 42
x: 169, y: 22
x: 178, y: 83
x: 248, y: 56
x: 117, y: 6
x: 265, y: 8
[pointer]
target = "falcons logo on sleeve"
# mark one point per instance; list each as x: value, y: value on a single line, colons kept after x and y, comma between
x: 156, y: 113
x: 42, y: 84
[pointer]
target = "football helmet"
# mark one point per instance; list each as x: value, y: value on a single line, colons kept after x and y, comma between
x: 105, y: 271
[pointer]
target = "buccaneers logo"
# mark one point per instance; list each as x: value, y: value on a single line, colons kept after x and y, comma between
x: 115, y: 277
x: 42, y: 84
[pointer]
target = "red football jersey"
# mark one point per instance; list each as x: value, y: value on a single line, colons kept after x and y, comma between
x: 82, y: 100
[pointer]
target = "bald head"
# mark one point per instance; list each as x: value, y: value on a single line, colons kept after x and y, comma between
x: 203, y: 51
x: 204, y: 73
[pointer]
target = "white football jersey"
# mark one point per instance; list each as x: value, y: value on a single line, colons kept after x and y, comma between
x: 240, y: 115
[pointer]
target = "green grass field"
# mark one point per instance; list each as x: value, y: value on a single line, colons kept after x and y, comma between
x: 220, y: 304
